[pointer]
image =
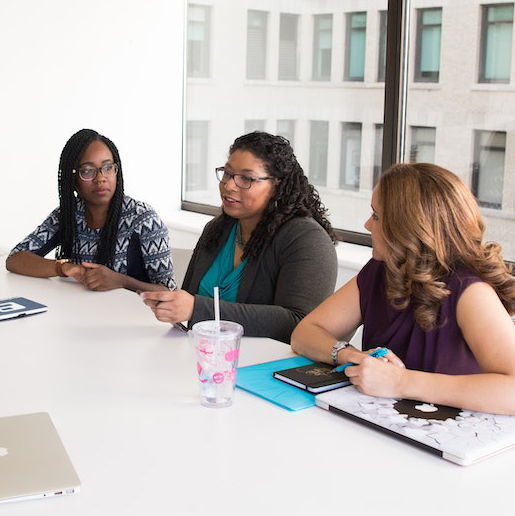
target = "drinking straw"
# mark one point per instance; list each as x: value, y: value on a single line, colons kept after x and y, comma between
x: 217, y: 326
x: 217, y: 308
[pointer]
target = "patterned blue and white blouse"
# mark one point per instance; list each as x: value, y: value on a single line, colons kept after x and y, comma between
x: 142, y: 248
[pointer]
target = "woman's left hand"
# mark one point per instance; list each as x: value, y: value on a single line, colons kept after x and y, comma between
x: 101, y: 278
x: 171, y: 306
x: 382, y: 376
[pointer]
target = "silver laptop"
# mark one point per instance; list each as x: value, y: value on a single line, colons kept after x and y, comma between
x: 460, y: 436
x: 19, y: 307
x: 33, y: 461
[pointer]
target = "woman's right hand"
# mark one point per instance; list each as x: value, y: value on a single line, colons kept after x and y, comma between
x: 377, y: 376
x: 170, y: 306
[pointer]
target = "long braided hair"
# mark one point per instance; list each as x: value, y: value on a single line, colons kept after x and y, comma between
x: 293, y: 197
x: 67, y: 236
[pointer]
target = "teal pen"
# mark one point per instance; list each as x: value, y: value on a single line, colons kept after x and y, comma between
x: 379, y: 352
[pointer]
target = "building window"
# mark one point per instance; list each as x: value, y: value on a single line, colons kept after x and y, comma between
x: 422, y: 149
x: 257, y: 22
x: 427, y: 53
x: 496, y: 43
x: 197, y: 144
x: 350, y: 156
x: 286, y: 128
x: 381, y: 61
x: 322, y: 47
x: 254, y: 125
x: 318, y: 144
x: 199, y: 36
x: 355, y: 44
x: 288, y: 47
x: 378, y: 153
x: 488, y: 167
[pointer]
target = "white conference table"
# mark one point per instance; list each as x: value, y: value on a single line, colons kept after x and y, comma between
x: 121, y: 389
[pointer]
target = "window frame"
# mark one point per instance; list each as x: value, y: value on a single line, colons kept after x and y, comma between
x: 479, y: 149
x: 350, y: 54
x: 483, y: 43
x: 282, y: 56
x: 205, y: 69
x: 347, y: 132
x: 250, y: 72
x: 415, y: 133
x: 316, y: 49
x: 421, y: 27
x: 381, y: 61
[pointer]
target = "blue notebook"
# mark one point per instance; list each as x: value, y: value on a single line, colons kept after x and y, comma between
x: 258, y: 379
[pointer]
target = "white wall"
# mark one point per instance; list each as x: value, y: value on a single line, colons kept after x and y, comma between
x: 111, y: 65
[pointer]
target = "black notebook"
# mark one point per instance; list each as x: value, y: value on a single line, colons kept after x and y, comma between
x: 314, y: 378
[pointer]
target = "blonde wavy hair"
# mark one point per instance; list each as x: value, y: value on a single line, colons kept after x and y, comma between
x: 431, y: 226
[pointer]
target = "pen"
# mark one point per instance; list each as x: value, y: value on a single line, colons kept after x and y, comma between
x: 379, y: 352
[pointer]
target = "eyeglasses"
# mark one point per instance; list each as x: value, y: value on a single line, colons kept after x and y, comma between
x: 88, y: 173
x: 241, y: 181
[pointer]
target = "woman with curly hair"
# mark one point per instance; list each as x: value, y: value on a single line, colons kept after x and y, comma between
x: 103, y: 238
x: 433, y: 293
x: 270, y: 252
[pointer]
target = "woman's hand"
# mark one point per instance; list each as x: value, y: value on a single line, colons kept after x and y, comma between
x: 171, y: 306
x: 73, y: 270
x: 99, y: 277
x: 382, y: 376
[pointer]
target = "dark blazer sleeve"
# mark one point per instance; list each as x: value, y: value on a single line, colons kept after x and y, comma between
x: 294, y: 273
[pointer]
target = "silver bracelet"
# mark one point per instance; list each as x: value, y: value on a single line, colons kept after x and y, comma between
x: 341, y: 344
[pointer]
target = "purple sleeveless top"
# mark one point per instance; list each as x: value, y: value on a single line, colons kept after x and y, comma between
x: 442, y: 350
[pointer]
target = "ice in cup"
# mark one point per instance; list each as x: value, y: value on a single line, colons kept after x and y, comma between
x: 217, y: 346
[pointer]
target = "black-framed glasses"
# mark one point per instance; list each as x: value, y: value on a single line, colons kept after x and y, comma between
x: 241, y: 181
x: 88, y: 173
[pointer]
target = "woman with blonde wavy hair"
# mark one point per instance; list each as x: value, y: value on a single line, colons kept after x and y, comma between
x: 434, y: 294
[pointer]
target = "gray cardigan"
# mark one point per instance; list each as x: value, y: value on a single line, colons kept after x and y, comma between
x: 293, y: 273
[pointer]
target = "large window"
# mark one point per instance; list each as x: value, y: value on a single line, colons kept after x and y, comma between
x: 319, y: 72
x: 288, y: 46
x: 197, y: 145
x: 381, y: 61
x: 318, y: 152
x: 378, y: 152
x: 322, y: 47
x: 496, y: 43
x: 256, y: 44
x: 286, y: 128
x: 198, y: 40
x: 422, y: 148
x: 429, y: 33
x: 488, y: 167
x: 355, y: 46
x: 350, y: 155
x: 254, y: 125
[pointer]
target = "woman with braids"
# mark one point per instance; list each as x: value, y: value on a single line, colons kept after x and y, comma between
x: 433, y: 293
x: 104, y: 239
x: 270, y: 252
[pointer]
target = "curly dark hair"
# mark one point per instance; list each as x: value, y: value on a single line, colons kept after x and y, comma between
x: 68, y: 164
x: 293, y: 197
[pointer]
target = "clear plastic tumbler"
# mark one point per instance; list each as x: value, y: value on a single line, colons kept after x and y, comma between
x: 217, y: 346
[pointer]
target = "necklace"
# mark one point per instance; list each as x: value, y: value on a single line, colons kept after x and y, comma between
x: 239, y: 237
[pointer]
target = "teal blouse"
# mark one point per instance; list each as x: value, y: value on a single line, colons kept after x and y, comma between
x: 222, y: 274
